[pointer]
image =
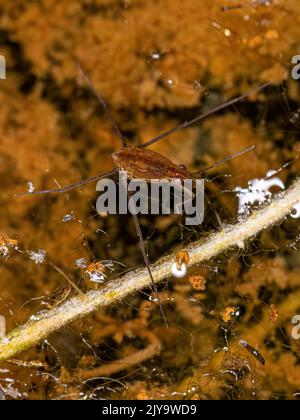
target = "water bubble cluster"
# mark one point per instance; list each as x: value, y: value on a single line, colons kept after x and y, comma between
x: 37, y: 256
x: 258, y: 191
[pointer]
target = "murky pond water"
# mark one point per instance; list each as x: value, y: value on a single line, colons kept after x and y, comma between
x: 232, y: 320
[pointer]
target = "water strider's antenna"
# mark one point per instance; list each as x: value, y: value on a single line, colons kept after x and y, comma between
x: 215, y: 165
x: 202, y: 116
x: 71, y: 186
x: 103, y: 103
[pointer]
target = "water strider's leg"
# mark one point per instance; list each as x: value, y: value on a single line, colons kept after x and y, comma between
x: 221, y: 162
x: 71, y: 186
x: 145, y: 257
x: 216, y: 213
x: 202, y: 116
x: 103, y: 103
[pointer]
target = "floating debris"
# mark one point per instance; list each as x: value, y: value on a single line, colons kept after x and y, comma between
x: 294, y: 244
x: 156, y: 56
x: 37, y: 256
x: 230, y: 314
x: 262, y: 2
x: 69, y: 217
x: 227, y: 33
x: 272, y: 34
x: 96, y: 272
x: 81, y: 263
x: 182, y: 257
x: 198, y: 283
x: 274, y: 315
x: 258, y: 191
x: 171, y: 82
x: 30, y: 187
x: 6, y: 245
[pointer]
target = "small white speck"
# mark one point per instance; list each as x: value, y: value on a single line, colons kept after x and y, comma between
x: 81, y: 263
x: 30, y: 187
x: 257, y: 192
x: 4, y: 252
x: 243, y: 343
x: 37, y: 256
x: 96, y: 276
x: 68, y: 217
x: 271, y: 172
x: 171, y: 82
x: 155, y: 56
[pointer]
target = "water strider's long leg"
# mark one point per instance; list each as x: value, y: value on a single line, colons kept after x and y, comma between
x: 71, y: 186
x: 215, y: 165
x: 202, y: 116
x: 145, y: 256
x: 181, y: 126
x: 218, y: 217
x: 103, y: 103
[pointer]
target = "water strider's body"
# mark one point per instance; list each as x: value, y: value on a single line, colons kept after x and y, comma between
x: 148, y: 165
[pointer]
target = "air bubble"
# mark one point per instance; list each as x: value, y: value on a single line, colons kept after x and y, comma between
x: 155, y: 56
x: 296, y: 211
x: 179, y: 273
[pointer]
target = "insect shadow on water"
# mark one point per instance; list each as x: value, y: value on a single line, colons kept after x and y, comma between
x: 141, y: 163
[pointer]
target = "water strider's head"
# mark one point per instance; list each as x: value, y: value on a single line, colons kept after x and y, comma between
x: 147, y: 164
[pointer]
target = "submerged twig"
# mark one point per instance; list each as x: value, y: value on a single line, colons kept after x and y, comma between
x: 45, y: 323
x: 136, y: 358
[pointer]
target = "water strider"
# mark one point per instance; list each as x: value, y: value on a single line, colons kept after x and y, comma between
x: 141, y: 163
x: 148, y: 165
